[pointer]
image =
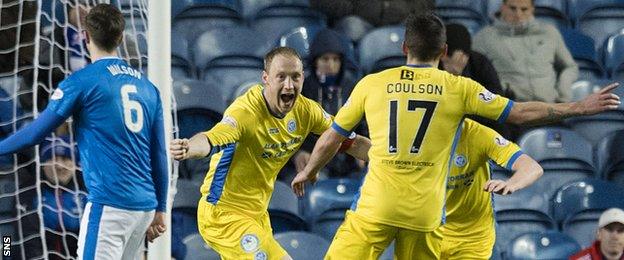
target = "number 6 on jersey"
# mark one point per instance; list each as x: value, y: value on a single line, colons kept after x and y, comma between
x: 129, y: 106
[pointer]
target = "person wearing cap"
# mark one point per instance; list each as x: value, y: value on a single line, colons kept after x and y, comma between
x: 609, y: 244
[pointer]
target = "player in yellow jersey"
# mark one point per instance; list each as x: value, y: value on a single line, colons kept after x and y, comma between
x: 259, y: 132
x: 414, y: 113
x: 469, y: 230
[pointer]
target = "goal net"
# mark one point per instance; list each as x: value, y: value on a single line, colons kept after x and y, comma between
x: 42, y: 194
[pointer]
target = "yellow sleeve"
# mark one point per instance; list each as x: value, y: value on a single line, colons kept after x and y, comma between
x: 319, y: 119
x: 230, y: 129
x: 498, y: 149
x: 352, y: 111
x: 479, y: 101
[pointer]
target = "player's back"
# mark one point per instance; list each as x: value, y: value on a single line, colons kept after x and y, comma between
x: 413, y: 114
x: 115, y: 109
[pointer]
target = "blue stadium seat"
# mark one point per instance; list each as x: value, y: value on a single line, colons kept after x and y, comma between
x: 241, y: 89
x: 469, y: 13
x: 609, y: 157
x: 550, y: 245
x: 599, y: 18
x: 232, y: 55
x: 553, y: 12
x: 326, y: 204
x: 197, y: 249
x: 595, y: 127
x: 578, y: 205
x: 274, y: 21
x: 251, y: 7
x: 512, y: 223
x: 493, y: 7
x: 198, y: 16
x: 303, y: 245
x: 531, y: 198
x: 614, y: 53
x: 584, y: 88
x: 381, y: 49
x: 583, y: 50
x: 354, y: 27
x: 564, y: 155
x: 300, y: 39
x: 181, y: 65
x: 200, y: 106
x: 284, y: 209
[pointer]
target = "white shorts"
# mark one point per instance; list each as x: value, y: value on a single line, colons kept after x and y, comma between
x: 112, y: 233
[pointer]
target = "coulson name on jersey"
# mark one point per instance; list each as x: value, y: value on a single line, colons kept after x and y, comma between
x: 120, y: 69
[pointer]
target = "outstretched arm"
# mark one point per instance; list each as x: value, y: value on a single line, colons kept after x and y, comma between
x: 526, y: 172
x: 33, y: 133
x: 324, y: 150
x: 359, y: 148
x: 537, y: 113
x: 197, y: 147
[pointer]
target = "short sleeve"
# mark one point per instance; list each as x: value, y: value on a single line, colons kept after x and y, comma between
x: 230, y: 129
x: 498, y: 149
x: 320, y: 120
x: 479, y: 101
x: 67, y: 97
x: 352, y: 111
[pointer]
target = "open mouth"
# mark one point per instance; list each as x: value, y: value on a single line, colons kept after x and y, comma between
x: 287, y: 98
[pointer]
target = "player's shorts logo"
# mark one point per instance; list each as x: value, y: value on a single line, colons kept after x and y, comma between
x: 261, y: 255
x: 486, y: 96
x: 292, y: 125
x: 460, y: 160
x: 500, y: 141
x: 250, y: 243
x: 58, y: 94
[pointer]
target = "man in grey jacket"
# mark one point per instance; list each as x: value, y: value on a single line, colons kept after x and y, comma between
x: 530, y: 57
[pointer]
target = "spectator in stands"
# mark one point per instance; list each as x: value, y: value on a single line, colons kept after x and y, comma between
x: 330, y: 83
x: 376, y: 12
x: 63, y: 197
x: 609, y: 244
x: 463, y: 61
x: 531, y: 58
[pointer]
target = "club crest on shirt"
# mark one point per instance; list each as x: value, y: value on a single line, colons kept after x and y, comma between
x: 500, y: 141
x: 261, y: 255
x: 58, y: 94
x: 460, y: 160
x: 250, y: 243
x: 291, y: 126
x: 486, y: 96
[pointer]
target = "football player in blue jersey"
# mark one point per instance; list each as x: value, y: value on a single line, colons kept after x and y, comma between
x: 118, y: 119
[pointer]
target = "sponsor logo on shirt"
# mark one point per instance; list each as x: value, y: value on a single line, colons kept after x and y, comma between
x: 500, y: 141
x: 250, y: 243
x: 58, y: 94
x: 486, y: 96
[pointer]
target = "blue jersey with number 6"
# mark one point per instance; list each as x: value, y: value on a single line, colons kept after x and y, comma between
x: 116, y: 112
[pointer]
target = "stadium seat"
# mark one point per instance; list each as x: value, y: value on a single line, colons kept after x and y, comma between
x: 232, y: 55
x: 469, y: 13
x: 240, y: 90
x: 326, y: 204
x: 550, y: 245
x: 578, y: 205
x: 583, y: 51
x: 300, y: 39
x: 614, y: 53
x: 599, y: 18
x: 596, y: 127
x: 251, y: 7
x: 564, y: 155
x: 354, y: 27
x: 584, y: 88
x: 274, y: 21
x: 552, y: 12
x: 193, y: 17
x: 181, y: 65
x: 197, y: 249
x: 284, y: 209
x: 303, y: 245
x: 531, y: 198
x: 609, y: 157
x: 381, y: 49
x: 512, y: 223
x: 199, y: 105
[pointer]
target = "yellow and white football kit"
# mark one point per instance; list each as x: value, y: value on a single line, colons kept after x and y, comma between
x: 414, y: 114
x: 249, y: 147
x: 469, y: 230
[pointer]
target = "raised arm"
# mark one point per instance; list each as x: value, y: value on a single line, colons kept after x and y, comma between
x: 526, y: 172
x: 536, y: 113
x: 197, y: 147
